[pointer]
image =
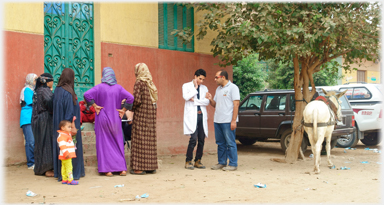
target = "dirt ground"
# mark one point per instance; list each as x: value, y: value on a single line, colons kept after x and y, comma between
x: 286, y: 183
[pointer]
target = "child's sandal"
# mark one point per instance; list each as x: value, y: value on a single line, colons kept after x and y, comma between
x: 64, y: 182
x: 73, y: 182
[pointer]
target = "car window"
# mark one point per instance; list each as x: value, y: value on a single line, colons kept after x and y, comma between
x: 293, y: 103
x: 252, y: 103
x: 357, y: 93
x: 275, y: 102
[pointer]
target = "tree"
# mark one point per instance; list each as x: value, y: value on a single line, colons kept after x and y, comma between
x: 249, y: 75
x: 309, y: 34
x: 280, y: 76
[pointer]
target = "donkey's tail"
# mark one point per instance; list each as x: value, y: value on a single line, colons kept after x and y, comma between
x: 314, y: 114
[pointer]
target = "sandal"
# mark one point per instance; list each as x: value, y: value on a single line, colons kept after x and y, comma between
x: 123, y: 173
x: 151, y: 172
x: 73, y: 182
x: 133, y: 172
x: 64, y: 182
x: 109, y: 174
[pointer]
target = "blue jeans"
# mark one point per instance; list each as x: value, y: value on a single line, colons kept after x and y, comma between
x: 29, y: 144
x: 226, y: 144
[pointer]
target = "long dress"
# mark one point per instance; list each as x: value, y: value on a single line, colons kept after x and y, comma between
x: 42, y: 130
x: 144, y: 141
x: 64, y: 109
x: 108, y: 130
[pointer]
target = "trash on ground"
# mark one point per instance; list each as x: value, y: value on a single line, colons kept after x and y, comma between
x: 311, y: 156
x: 325, y: 182
x: 344, y: 168
x: 350, y: 148
x: 30, y: 193
x: 137, y: 197
x: 94, y: 187
x: 345, y: 151
x: 364, y: 162
x: 144, y: 195
x: 260, y: 185
x: 376, y: 151
x: 310, y: 189
x: 120, y: 185
x: 378, y: 162
x: 333, y: 167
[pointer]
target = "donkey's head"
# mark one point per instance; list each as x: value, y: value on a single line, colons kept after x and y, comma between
x: 335, y: 99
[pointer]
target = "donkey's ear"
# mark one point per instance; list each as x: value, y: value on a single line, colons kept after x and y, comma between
x: 325, y: 92
x: 341, y: 94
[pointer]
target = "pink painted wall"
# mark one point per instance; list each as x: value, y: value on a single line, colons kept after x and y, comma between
x: 170, y: 70
x: 23, y: 54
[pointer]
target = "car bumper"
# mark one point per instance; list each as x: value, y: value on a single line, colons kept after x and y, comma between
x: 343, y: 131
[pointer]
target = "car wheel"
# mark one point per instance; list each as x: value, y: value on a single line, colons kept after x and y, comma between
x: 286, y: 137
x: 371, y: 138
x: 246, y: 140
x: 347, y: 140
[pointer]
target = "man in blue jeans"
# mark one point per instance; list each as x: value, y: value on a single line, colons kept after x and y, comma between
x: 226, y: 103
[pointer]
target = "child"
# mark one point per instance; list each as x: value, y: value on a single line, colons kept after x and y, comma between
x: 67, y: 152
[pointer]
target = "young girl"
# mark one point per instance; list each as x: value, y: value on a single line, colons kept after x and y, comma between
x: 67, y: 152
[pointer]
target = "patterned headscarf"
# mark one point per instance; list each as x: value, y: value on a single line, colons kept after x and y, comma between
x: 67, y: 82
x: 108, y: 76
x: 29, y: 83
x: 142, y: 73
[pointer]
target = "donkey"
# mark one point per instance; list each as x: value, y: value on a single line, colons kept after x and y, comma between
x: 319, y: 122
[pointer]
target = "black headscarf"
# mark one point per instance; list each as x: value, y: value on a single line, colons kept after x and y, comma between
x: 43, y: 77
x: 67, y: 82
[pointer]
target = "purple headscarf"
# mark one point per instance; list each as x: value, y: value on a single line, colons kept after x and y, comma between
x: 108, y: 76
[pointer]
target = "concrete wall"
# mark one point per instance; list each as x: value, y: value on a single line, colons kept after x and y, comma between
x: 170, y: 70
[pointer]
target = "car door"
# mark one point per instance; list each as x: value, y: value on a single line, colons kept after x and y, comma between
x: 273, y: 113
x: 249, y: 117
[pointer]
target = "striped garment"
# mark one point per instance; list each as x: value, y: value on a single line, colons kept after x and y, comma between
x: 108, y: 76
x: 67, y: 147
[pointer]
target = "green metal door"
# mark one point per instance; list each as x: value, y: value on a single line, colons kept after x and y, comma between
x: 68, y: 42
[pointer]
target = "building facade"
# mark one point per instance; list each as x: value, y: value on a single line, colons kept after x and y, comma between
x: 86, y: 37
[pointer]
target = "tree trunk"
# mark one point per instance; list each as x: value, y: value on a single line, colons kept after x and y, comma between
x: 302, y: 97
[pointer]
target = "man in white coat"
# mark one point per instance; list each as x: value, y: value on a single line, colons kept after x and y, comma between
x: 195, y: 118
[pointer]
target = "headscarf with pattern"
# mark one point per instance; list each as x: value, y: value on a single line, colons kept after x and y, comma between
x: 108, y: 76
x: 67, y: 82
x: 142, y: 73
x: 29, y: 83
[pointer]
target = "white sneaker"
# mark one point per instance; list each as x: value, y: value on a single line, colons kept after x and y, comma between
x: 32, y: 167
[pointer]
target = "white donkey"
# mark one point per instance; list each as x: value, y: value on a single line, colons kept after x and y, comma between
x: 319, y: 122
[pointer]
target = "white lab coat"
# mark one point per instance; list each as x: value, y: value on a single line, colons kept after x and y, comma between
x: 190, y: 108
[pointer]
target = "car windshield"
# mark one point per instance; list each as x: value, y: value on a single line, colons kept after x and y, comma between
x: 344, y: 102
x: 379, y: 88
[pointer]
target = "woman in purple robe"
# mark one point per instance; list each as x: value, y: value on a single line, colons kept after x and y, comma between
x: 106, y: 99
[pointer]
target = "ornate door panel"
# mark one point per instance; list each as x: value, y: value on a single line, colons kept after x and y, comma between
x: 68, y: 42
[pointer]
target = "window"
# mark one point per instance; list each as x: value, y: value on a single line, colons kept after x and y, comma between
x: 275, y: 102
x: 252, y: 103
x: 357, y: 93
x: 174, y: 16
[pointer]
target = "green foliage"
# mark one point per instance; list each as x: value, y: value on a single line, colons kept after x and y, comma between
x: 316, y: 32
x: 280, y: 75
x: 249, y: 75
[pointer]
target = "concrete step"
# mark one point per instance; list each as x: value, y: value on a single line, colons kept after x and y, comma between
x: 88, y: 126
x: 89, y: 149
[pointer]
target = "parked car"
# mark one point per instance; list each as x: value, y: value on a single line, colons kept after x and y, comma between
x: 267, y: 115
x: 366, y: 101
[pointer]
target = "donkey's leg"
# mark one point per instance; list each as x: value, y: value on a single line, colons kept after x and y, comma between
x: 317, y: 155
